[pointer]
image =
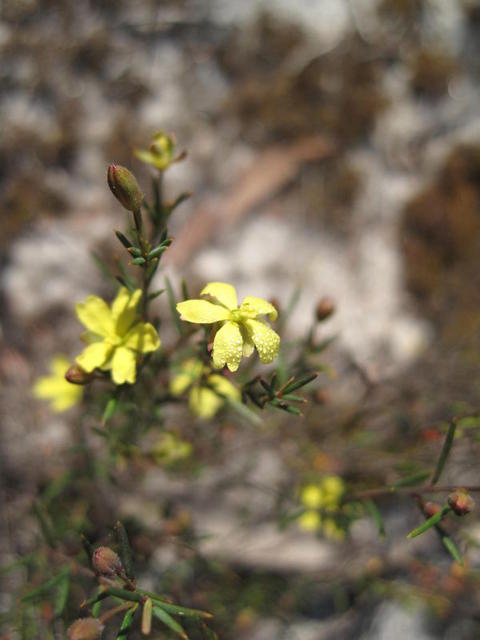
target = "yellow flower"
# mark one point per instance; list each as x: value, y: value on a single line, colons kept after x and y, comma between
x: 160, y: 153
x: 207, y: 390
x: 61, y: 393
x: 310, y: 521
x: 241, y: 330
x: 115, y: 337
x: 170, y: 449
x: 324, y: 496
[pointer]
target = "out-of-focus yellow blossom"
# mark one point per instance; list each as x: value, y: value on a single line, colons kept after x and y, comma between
x: 241, y: 329
x: 61, y: 393
x: 116, y: 336
x: 207, y: 390
x: 161, y: 152
x: 322, y: 497
x: 170, y: 449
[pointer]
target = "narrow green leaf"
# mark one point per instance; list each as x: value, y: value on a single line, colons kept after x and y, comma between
x: 155, y: 253
x: 8, y: 568
x: 155, y: 294
x: 288, y: 397
x: 123, y: 594
x: 135, y: 252
x: 138, y: 261
x: 46, y: 586
x: 61, y: 598
x: 376, y: 516
x: 45, y: 524
x: 300, y: 381
x: 169, y: 622
x: 431, y: 522
x: 411, y: 480
x: 447, y: 445
x: 185, y: 294
x: 127, y: 623
x: 125, y: 277
x: 208, y: 633
x: 284, y: 407
x: 174, y: 608
x: 452, y: 549
x: 173, y: 306
x: 178, y: 200
x: 123, y: 239
x: 126, y: 554
x: 109, y: 410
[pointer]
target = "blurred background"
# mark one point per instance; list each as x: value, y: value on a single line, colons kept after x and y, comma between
x: 333, y: 150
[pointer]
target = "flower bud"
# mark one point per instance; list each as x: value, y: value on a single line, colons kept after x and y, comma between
x: 324, y: 309
x: 431, y: 508
x: 106, y: 562
x: 124, y: 187
x: 76, y: 375
x: 461, y: 502
x: 86, y: 629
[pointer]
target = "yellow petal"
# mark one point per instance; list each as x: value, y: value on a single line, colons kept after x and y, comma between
x: 143, y: 337
x: 202, y: 312
x: 189, y: 371
x: 124, y: 309
x: 59, y: 365
x: 95, y: 355
x: 204, y: 402
x: 310, y: 521
x: 332, y: 530
x: 228, y: 347
x: 248, y: 346
x: 312, y: 496
x: 95, y: 314
x: 223, y: 387
x: 124, y: 366
x: 264, y: 338
x: 61, y: 393
x: 255, y: 307
x: 223, y: 292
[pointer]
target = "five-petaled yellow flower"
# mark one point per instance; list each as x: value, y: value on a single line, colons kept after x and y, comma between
x: 241, y: 330
x: 116, y: 336
x: 207, y: 390
x: 61, y: 393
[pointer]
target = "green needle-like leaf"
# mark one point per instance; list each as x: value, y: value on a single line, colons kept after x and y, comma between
x: 169, y: 622
x: 126, y: 555
x: 447, y: 445
x: 127, y: 623
x: 431, y: 522
x: 452, y: 549
x: 374, y: 512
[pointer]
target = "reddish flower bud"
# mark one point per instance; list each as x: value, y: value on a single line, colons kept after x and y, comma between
x: 76, y: 375
x: 106, y: 562
x: 324, y: 309
x: 461, y: 502
x: 431, y: 508
x: 124, y: 187
x: 86, y: 629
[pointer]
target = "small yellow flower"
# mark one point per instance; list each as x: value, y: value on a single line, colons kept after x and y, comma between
x: 61, y: 393
x: 161, y: 152
x: 241, y: 330
x: 170, y: 449
x: 325, y: 496
x: 207, y: 390
x: 116, y: 337
x: 310, y: 521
